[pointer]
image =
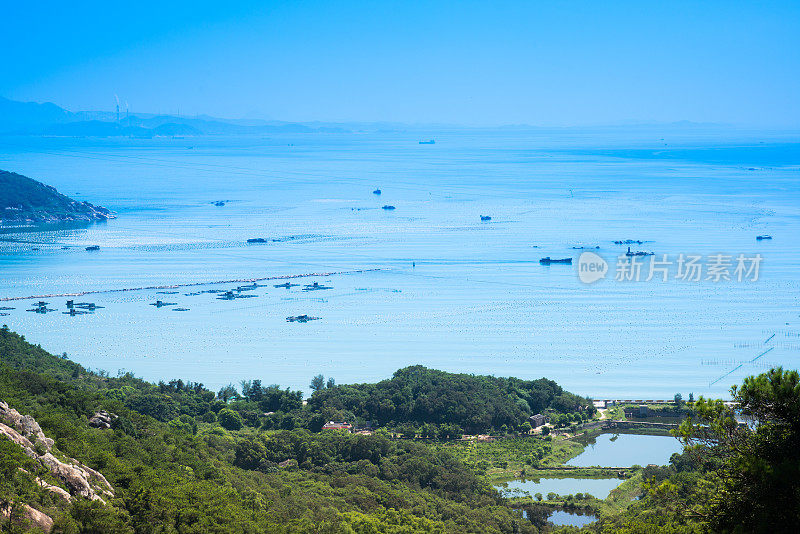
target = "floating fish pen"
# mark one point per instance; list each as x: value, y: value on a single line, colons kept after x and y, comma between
x: 73, y: 312
x: 180, y: 309
x: 41, y: 309
x: 629, y: 242
x: 316, y: 286
x: 287, y: 285
x: 256, y: 240
x: 191, y: 284
x: 88, y: 306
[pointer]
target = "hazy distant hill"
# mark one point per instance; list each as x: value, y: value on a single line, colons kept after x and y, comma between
x: 26, y: 201
x: 30, y: 118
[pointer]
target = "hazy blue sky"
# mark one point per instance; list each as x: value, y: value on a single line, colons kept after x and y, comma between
x: 554, y: 62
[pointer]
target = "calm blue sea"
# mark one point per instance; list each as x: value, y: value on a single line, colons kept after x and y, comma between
x: 448, y: 290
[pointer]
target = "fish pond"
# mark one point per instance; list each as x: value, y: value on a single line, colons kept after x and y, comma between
x: 625, y: 450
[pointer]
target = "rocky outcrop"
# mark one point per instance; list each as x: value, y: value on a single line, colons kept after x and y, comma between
x: 27, y: 514
x: 25, y: 425
x: 78, y: 478
x: 102, y: 419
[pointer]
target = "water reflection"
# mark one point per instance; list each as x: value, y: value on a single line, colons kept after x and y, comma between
x: 625, y: 450
x: 576, y: 519
x: 597, y: 487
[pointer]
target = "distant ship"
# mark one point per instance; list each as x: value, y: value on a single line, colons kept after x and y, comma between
x: 548, y: 261
x: 388, y: 207
x: 376, y: 192
x: 93, y: 247
x: 429, y: 142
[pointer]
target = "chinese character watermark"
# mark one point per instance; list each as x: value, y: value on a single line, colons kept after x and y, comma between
x: 715, y: 268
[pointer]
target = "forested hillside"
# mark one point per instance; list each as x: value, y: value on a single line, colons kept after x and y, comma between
x: 26, y: 201
x: 181, y: 458
x: 419, y: 396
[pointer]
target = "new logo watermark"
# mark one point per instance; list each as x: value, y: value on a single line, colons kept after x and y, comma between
x: 591, y: 267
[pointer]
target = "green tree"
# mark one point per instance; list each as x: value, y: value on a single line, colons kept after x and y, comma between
x: 229, y: 419
x: 317, y: 383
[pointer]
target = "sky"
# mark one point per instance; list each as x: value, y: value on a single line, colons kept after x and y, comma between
x: 532, y: 62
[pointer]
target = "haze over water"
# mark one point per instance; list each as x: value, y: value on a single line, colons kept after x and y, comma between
x: 443, y: 288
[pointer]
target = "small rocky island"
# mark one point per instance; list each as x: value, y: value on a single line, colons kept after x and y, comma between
x: 24, y: 201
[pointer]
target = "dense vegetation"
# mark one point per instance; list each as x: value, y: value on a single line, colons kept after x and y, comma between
x: 417, y: 396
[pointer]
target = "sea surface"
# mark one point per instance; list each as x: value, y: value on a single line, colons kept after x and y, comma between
x: 428, y: 282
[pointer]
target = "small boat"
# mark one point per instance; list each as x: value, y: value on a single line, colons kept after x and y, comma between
x: 256, y: 240
x: 638, y: 253
x: 548, y: 260
x: 219, y: 203
x: 763, y: 237
x: 376, y: 192
x: 428, y: 142
x: 161, y: 304
x: 93, y: 247
x: 486, y: 218
x: 629, y: 242
x: 301, y: 319
x: 180, y: 309
x: 388, y: 207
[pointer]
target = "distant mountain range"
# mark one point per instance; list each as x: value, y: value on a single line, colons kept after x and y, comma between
x: 24, y: 201
x: 31, y: 118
